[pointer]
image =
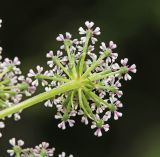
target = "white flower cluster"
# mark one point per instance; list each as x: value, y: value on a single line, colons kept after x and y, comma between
x: 41, y: 150
x: 13, y: 85
x: 98, y: 98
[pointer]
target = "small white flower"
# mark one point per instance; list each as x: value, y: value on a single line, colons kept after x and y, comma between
x: 107, y: 116
x: 68, y: 35
x: 97, y: 31
x: 89, y: 24
x: 48, y: 103
x: 13, y: 142
x: 84, y: 120
x: 117, y: 115
x: 60, y: 37
x: 81, y: 31
x: 113, y: 56
x: 17, y: 117
x: 98, y: 131
x: 131, y: 68
x: 112, y: 45
x: 62, y: 125
x: 49, y: 54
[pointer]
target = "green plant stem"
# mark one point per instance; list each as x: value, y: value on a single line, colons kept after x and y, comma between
x: 71, y: 58
x: 67, y: 43
x: 8, y: 69
x: 41, y: 97
x: 56, y: 78
x: 94, y: 96
x: 96, y: 63
x: 17, y: 155
x: 81, y: 66
x: 108, y: 88
x: 43, y: 153
x: 99, y: 76
x: 57, y: 61
x: 88, y: 108
x: 6, y: 81
x: 102, y: 73
x: 81, y: 103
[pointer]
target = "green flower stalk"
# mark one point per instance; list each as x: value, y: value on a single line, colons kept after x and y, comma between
x: 81, y: 83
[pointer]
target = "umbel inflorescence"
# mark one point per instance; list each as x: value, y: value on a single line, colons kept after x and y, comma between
x: 81, y: 81
x: 97, y: 78
x: 13, y: 85
x: 41, y: 150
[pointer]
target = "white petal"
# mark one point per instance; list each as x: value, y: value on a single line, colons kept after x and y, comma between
x: 60, y: 38
x: 117, y: 115
x: 132, y: 68
x: 12, y: 141
x: 112, y: 45
x: 81, y: 31
x: 98, y: 132
x: 127, y: 77
x: 49, y: 54
x: 106, y: 127
x: 93, y: 126
x: 68, y: 35
x: 20, y: 143
x: 94, y: 40
x: 124, y: 61
x: 97, y: 31
x: 62, y: 125
x: 89, y: 24
x: 71, y: 123
x: 35, y: 83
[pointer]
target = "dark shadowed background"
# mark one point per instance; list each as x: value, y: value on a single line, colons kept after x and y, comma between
x: 29, y: 31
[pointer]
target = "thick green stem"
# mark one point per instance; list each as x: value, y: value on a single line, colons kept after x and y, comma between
x: 41, y: 97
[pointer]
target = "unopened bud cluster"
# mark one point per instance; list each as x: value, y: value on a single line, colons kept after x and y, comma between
x: 41, y: 150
